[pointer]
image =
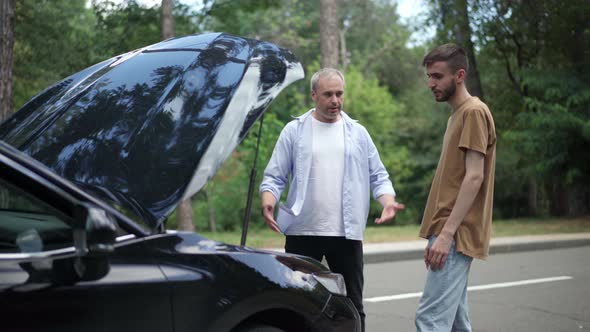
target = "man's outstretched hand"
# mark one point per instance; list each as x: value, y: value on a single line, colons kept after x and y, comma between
x: 390, y: 209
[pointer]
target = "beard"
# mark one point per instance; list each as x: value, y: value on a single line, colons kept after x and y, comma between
x: 446, y: 93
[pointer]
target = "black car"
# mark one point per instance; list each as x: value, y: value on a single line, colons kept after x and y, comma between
x: 89, y: 171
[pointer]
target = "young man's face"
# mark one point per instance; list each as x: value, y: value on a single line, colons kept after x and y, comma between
x: 441, y: 80
x: 328, y: 98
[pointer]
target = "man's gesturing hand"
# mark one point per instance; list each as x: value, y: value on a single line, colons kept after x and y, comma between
x: 268, y: 210
x: 390, y: 209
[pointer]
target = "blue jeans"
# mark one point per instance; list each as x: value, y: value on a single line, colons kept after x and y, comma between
x: 443, y: 306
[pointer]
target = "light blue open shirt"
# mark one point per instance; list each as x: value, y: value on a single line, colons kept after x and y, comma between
x: 363, y: 170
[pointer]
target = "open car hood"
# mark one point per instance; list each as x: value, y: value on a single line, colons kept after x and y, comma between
x: 149, y: 128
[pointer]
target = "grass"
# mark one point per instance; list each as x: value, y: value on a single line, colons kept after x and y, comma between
x: 265, y: 238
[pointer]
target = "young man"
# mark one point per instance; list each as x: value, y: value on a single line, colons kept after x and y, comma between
x: 458, y: 215
x: 332, y: 163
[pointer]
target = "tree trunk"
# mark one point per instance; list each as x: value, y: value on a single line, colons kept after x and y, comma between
x: 532, y: 197
x: 577, y: 198
x: 167, y: 19
x: 343, y: 51
x: 210, y: 210
x: 557, y: 200
x: 329, y: 33
x: 184, y: 216
x: 7, y: 21
x: 184, y: 211
x: 455, y: 17
x: 580, y: 41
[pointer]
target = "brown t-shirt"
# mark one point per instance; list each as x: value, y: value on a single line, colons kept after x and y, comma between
x: 470, y: 127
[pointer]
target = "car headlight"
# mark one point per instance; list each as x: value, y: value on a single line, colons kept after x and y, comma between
x: 333, y: 282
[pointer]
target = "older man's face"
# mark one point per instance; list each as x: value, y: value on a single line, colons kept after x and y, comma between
x: 328, y: 98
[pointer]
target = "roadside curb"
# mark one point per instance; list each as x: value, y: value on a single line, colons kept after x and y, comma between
x: 388, y: 252
x: 407, y: 250
x: 532, y: 243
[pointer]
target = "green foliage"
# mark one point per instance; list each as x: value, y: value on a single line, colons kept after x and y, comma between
x: 532, y: 59
x: 376, y: 43
x: 551, y: 131
x: 227, y: 191
x: 374, y: 107
x: 128, y: 25
x: 266, y: 238
x: 53, y: 39
x: 293, y: 24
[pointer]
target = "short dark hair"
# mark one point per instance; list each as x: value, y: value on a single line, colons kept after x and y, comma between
x: 453, y: 54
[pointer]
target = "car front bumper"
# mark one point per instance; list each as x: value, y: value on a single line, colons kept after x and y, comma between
x: 339, y: 315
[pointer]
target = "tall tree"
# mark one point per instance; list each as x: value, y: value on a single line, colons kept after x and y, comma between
x: 376, y: 41
x: 516, y: 43
x: 53, y: 39
x: 455, y: 26
x: 538, y: 46
x: 7, y: 19
x: 167, y: 20
x: 125, y: 26
x: 329, y: 33
x: 184, y: 211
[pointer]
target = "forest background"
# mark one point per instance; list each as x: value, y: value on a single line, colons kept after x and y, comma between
x: 530, y: 64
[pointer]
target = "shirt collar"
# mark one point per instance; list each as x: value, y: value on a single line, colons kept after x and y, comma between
x: 305, y: 115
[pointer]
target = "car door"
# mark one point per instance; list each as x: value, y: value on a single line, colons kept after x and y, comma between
x: 37, y: 255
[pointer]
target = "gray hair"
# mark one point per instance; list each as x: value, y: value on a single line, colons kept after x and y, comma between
x: 325, y: 72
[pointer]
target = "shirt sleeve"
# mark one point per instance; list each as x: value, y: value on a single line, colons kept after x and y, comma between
x: 475, y: 132
x: 378, y: 175
x: 276, y: 174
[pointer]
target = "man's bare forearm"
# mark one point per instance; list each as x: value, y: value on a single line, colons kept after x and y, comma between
x: 267, y: 199
x: 467, y: 193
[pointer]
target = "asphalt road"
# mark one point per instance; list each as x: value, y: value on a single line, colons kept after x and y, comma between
x: 545, y: 290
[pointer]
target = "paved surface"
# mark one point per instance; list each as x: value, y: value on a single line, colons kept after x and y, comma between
x: 396, y: 251
x: 528, y: 291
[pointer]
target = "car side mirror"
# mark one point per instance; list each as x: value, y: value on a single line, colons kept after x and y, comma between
x: 95, y: 234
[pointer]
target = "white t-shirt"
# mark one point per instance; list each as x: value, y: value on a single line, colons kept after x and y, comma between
x: 322, y: 211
